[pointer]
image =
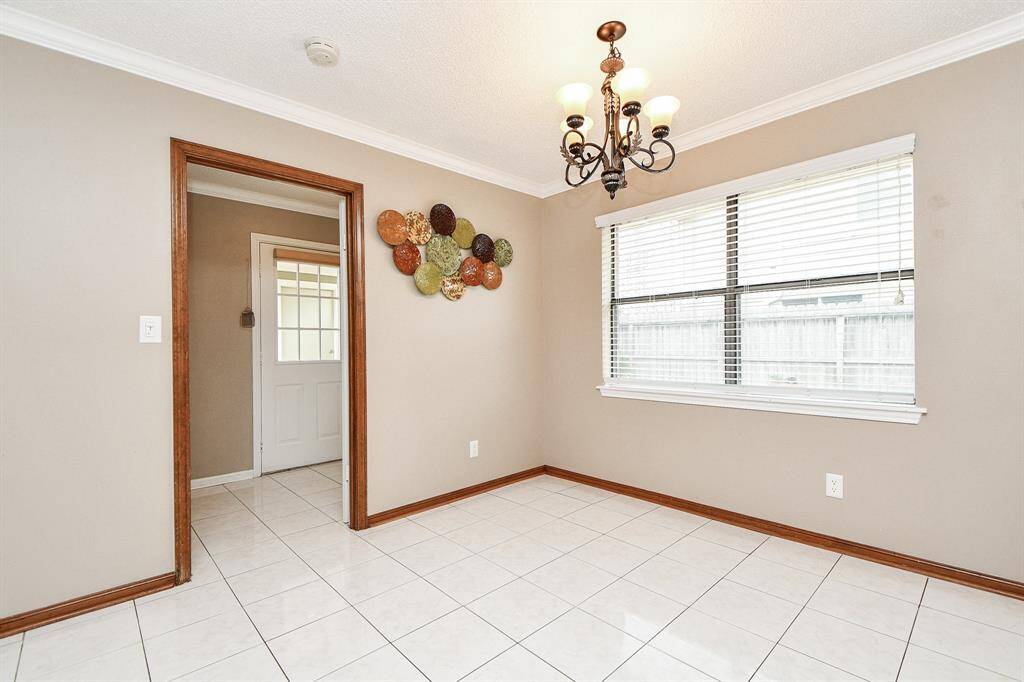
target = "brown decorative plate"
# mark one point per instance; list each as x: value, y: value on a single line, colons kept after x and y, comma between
x: 502, y: 252
x: 492, y: 275
x: 419, y: 227
x: 483, y: 247
x: 443, y: 252
x: 464, y: 233
x: 427, y: 278
x: 392, y: 228
x: 407, y: 257
x: 472, y: 271
x: 452, y: 287
x: 442, y: 219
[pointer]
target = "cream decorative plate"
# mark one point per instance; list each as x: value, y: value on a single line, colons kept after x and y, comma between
x: 452, y: 287
x: 419, y: 227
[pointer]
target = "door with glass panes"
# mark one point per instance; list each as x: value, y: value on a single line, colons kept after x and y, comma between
x: 300, y: 357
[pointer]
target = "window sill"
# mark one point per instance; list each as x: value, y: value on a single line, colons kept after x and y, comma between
x: 822, y: 407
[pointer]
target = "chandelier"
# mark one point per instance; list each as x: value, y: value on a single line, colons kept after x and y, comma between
x: 622, y: 90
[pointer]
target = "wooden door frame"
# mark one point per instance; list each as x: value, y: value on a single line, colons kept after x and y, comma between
x: 182, y: 154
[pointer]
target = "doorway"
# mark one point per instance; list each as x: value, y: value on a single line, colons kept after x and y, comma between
x: 338, y: 287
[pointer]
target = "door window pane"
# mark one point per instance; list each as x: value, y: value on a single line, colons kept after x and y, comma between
x: 330, y: 345
x: 288, y: 345
x: 308, y: 312
x: 309, y: 344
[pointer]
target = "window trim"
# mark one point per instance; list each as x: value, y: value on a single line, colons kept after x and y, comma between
x: 726, y: 396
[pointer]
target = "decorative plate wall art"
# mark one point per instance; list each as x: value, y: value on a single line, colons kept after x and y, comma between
x: 444, y: 264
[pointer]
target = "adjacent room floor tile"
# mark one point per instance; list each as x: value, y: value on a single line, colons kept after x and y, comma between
x: 243, y: 559
x: 325, y: 645
x: 982, y: 645
x: 924, y: 665
x: 888, y: 615
x: 232, y: 538
x: 581, y: 646
x: 633, y: 609
x: 370, y: 578
x: 651, y: 665
x: 984, y: 607
x: 855, y: 649
x: 340, y: 556
x: 707, y: 556
x: 887, y: 580
x: 791, y: 584
x: 563, y: 535
x: 570, y: 579
x: 287, y: 611
x: 714, y: 647
x: 383, y: 665
x: 747, y: 608
x: 430, y: 555
x: 403, y: 609
x: 215, y: 505
x: 685, y: 584
x: 453, y: 646
x: 198, y: 645
x: 470, y: 578
x: 293, y: 523
x: 731, y: 536
x: 519, y: 608
x: 237, y: 519
x: 521, y: 555
x: 646, y: 535
x: 480, y: 535
x: 252, y: 664
x: 786, y: 665
x: 320, y: 537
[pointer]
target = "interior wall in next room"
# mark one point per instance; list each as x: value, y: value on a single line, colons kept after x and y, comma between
x: 219, y: 348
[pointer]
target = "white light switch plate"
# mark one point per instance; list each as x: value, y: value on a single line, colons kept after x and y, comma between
x: 474, y: 448
x: 150, y: 329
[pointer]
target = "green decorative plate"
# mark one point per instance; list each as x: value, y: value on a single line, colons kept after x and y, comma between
x: 428, y: 279
x: 464, y: 233
x: 443, y: 252
x: 452, y: 287
x: 419, y: 227
x: 502, y: 252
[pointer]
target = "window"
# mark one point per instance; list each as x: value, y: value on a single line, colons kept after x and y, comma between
x: 308, y: 312
x: 792, y: 290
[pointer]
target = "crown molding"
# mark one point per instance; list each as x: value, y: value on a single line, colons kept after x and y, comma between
x: 55, y: 36
x: 33, y: 29
x: 248, y: 196
x: 982, y: 39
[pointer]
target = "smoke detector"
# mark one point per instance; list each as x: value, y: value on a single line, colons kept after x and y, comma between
x: 321, y: 51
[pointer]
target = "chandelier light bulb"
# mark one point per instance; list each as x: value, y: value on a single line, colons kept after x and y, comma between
x: 660, y: 110
x: 630, y: 84
x: 588, y: 123
x: 574, y: 97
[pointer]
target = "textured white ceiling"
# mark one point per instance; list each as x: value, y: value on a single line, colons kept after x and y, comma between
x: 477, y: 79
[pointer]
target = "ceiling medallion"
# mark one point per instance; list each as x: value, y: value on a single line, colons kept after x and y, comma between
x: 622, y: 90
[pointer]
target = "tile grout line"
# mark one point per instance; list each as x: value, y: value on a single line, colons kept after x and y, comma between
x: 910, y: 634
x: 142, y: 641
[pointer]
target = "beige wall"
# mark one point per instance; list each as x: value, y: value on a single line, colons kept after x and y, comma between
x: 219, y: 348
x: 948, y: 489
x: 85, y: 487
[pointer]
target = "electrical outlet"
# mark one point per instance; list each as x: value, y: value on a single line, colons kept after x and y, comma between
x: 834, y: 485
x: 474, y: 448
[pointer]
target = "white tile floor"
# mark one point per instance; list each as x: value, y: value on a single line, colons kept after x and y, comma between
x: 542, y: 580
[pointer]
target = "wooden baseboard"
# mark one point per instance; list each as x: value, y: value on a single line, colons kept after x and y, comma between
x: 932, y: 569
x: 448, y: 498
x: 12, y: 625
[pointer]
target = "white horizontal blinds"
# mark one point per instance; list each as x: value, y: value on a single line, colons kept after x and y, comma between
x: 802, y: 287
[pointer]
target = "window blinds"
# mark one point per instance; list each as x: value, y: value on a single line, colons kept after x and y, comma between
x: 802, y: 286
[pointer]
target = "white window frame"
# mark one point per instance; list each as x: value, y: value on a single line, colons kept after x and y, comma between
x: 841, y: 406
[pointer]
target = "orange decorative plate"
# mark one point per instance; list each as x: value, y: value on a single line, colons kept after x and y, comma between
x: 392, y: 228
x: 407, y: 257
x: 492, y: 275
x: 472, y: 271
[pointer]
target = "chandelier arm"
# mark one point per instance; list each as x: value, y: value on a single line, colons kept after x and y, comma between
x: 582, y: 161
x: 648, y: 159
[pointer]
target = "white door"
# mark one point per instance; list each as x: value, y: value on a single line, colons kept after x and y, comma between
x: 301, y: 356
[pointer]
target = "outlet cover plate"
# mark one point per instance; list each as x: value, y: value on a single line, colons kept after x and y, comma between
x: 834, y: 485
x: 474, y: 448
